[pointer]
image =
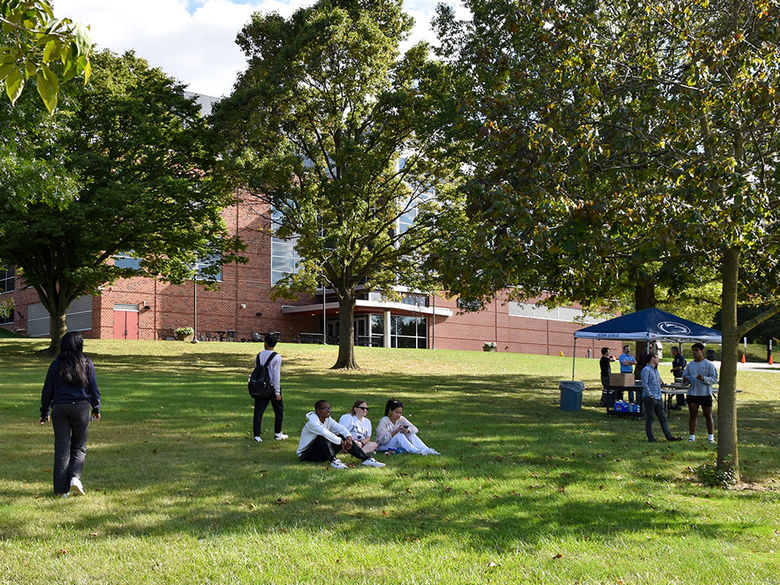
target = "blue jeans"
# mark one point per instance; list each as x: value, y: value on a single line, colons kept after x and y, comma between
x: 70, y: 422
x: 655, y: 407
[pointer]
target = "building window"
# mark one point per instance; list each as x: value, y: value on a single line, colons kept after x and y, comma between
x: 127, y: 260
x: 469, y: 305
x: 407, y: 218
x: 415, y: 300
x: 410, y: 332
x: 568, y: 314
x: 284, y: 257
x: 202, y: 266
x: 7, y: 279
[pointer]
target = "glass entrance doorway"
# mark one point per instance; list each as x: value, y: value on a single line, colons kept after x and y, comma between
x: 405, y: 331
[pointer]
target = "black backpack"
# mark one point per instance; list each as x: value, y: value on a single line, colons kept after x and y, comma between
x: 260, y: 381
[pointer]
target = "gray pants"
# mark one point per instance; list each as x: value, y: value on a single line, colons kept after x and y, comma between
x: 70, y: 423
x: 653, y: 407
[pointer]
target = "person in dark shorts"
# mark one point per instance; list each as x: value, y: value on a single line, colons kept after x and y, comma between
x: 701, y: 375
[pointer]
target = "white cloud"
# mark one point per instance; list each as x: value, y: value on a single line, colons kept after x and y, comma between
x: 193, y: 41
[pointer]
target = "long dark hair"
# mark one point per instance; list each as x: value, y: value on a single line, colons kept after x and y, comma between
x: 73, y: 363
x: 392, y: 404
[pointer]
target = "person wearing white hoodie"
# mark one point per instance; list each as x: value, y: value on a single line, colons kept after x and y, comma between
x: 322, y: 438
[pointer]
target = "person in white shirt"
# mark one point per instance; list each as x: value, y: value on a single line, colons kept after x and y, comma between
x: 359, y: 426
x: 322, y: 438
x: 701, y: 374
x: 274, y: 374
x: 396, y: 433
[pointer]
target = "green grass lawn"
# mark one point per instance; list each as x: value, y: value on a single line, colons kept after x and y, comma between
x: 178, y: 492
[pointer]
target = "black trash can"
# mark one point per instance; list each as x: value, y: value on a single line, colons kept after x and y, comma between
x: 571, y: 394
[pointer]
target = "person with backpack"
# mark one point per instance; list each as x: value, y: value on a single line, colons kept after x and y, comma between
x: 265, y: 387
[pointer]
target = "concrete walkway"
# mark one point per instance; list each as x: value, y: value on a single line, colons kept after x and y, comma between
x: 762, y: 366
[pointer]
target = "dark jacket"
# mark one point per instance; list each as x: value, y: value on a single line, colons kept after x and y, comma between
x: 56, y: 391
x: 678, y: 365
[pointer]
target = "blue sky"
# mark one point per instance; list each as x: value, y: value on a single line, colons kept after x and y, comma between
x: 193, y: 40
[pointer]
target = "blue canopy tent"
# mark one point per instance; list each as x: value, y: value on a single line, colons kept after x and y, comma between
x: 648, y: 325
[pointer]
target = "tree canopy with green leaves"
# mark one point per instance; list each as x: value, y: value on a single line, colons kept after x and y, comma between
x: 619, y: 142
x: 134, y: 164
x: 34, y: 44
x: 332, y: 128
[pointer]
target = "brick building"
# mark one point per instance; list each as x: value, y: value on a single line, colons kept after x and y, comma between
x: 240, y: 308
x: 145, y: 308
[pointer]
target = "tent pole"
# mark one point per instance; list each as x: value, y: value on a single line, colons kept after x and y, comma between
x: 573, y: 356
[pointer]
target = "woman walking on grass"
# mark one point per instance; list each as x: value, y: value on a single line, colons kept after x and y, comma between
x: 71, y: 391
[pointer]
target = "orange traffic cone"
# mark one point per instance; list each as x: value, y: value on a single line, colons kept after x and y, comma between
x: 770, y: 359
x: 743, y: 358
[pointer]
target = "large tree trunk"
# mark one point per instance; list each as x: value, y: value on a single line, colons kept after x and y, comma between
x: 728, y: 453
x: 55, y: 298
x: 58, y: 326
x: 644, y: 295
x: 644, y: 298
x: 346, y: 359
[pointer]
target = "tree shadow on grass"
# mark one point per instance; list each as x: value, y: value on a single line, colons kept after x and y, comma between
x: 173, y: 455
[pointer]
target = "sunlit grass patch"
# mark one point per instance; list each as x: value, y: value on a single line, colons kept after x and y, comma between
x: 177, y: 490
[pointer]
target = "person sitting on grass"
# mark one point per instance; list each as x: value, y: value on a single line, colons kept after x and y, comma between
x: 396, y: 433
x: 322, y: 438
x: 359, y: 427
x: 652, y: 400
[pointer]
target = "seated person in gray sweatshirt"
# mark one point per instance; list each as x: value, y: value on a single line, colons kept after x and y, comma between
x: 322, y: 438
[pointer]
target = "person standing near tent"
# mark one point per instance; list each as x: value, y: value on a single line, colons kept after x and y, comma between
x: 652, y: 400
x: 627, y: 363
x: 606, y: 369
x: 701, y: 375
x: 678, y: 365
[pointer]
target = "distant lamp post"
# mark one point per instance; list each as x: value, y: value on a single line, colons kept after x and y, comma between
x: 195, y: 303
x: 324, y: 317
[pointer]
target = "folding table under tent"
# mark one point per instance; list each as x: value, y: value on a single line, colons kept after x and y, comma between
x: 648, y: 325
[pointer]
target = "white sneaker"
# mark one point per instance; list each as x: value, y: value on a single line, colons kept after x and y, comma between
x: 280, y: 436
x: 692, y: 438
x: 338, y: 464
x: 712, y: 441
x: 373, y: 463
x: 75, y: 486
x: 258, y: 439
x: 430, y: 451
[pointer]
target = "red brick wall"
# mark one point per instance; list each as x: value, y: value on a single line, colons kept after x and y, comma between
x: 509, y: 332
x: 244, y: 292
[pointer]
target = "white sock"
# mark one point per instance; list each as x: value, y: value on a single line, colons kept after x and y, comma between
x: 692, y: 438
x: 710, y: 437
